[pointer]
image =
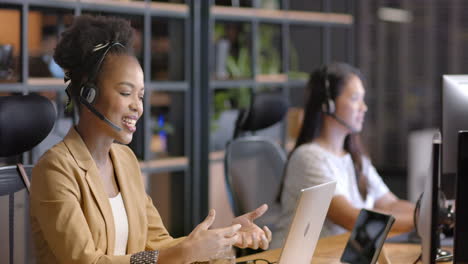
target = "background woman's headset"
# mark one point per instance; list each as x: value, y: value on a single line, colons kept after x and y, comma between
x: 328, y: 106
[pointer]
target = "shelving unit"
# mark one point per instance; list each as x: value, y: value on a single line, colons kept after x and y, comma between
x: 188, y: 85
x: 280, y: 16
x: 316, y: 49
x: 287, y: 21
x: 149, y: 15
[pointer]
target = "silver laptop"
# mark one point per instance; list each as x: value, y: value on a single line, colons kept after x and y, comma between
x: 307, y: 223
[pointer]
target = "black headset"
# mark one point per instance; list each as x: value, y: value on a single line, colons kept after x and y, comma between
x: 89, y: 91
x: 328, y: 106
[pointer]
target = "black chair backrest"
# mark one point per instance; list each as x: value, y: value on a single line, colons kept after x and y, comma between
x: 24, y: 122
x: 265, y: 110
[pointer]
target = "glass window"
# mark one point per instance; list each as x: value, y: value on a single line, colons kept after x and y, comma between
x: 232, y: 50
x: 270, y: 4
x: 339, y: 44
x: 269, y: 57
x: 167, y: 124
x: 236, y: 3
x: 167, y: 49
x: 305, y: 51
x: 226, y: 106
x: 10, y: 44
x: 44, y: 29
x: 302, y: 5
x: 340, y: 6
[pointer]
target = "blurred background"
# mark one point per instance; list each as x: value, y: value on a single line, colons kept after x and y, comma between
x: 256, y: 46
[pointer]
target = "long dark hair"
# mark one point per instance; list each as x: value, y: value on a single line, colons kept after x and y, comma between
x: 337, y: 75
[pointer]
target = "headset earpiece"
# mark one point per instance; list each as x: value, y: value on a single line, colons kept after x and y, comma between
x: 328, y: 106
x: 325, y: 107
x: 88, y: 93
x: 331, y: 107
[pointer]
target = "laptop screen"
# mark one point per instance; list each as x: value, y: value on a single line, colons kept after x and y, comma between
x: 307, y: 223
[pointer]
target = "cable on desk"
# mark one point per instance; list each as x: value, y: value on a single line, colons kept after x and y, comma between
x: 416, y: 213
x: 419, y: 258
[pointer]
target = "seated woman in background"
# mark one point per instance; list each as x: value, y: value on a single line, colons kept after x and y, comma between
x: 88, y: 201
x: 328, y: 148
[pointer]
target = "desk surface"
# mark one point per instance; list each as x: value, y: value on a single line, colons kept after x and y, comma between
x: 329, y: 251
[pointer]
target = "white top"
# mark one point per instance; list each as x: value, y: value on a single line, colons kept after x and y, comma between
x: 121, y: 225
x: 311, y: 165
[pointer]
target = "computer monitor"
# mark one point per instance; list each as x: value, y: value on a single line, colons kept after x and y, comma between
x: 455, y: 154
x: 454, y: 119
x: 429, y: 209
x: 460, y: 247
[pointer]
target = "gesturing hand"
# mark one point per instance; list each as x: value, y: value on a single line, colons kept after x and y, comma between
x: 203, y: 243
x: 250, y: 235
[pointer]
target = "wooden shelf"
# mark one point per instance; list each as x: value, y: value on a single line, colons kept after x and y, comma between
x: 160, y: 99
x: 164, y: 164
x: 46, y: 81
x: 182, y: 9
x: 271, y: 78
x: 174, y: 163
x: 154, y: 7
x: 282, y: 15
x: 333, y: 18
x: 217, y: 156
x: 129, y: 4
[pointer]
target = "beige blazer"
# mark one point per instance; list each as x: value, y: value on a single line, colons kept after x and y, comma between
x: 71, y: 217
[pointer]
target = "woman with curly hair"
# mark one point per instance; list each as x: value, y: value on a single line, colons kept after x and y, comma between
x: 88, y: 202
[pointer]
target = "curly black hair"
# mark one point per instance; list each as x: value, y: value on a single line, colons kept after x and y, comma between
x: 74, y: 52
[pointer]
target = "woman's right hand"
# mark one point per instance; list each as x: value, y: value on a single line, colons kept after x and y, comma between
x: 202, y: 243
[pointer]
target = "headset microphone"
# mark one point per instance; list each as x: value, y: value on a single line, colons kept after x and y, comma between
x: 344, y: 123
x: 98, y: 114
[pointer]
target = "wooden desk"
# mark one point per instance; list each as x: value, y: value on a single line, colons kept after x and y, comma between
x: 329, y: 250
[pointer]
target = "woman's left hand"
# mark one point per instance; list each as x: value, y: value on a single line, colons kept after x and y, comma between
x: 250, y: 235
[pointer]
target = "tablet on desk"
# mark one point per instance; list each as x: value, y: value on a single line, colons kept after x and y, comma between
x: 367, y: 237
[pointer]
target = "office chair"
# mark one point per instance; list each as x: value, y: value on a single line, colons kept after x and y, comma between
x: 254, y: 164
x: 24, y: 122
